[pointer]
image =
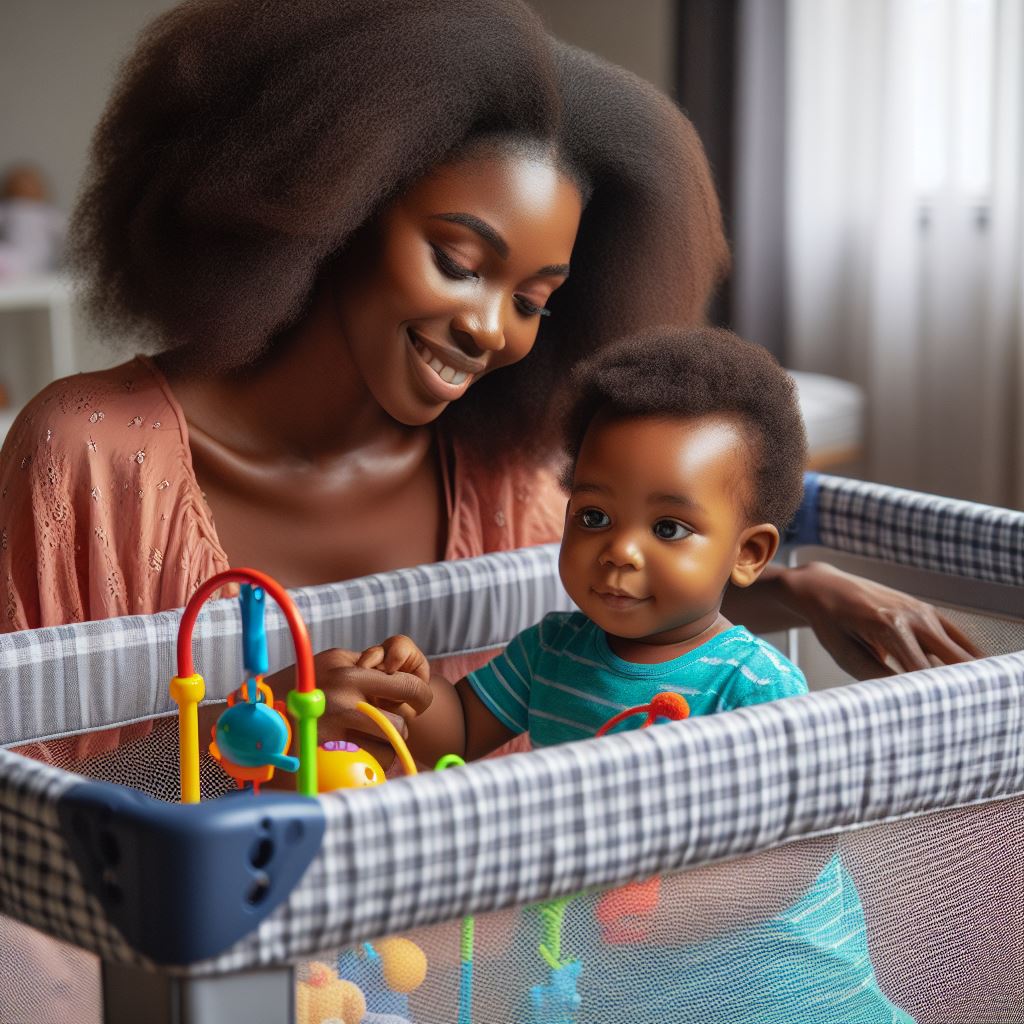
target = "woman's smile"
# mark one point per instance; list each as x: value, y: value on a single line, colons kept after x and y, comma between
x: 444, y: 381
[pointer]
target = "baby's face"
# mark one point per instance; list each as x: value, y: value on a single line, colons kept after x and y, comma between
x: 655, y: 525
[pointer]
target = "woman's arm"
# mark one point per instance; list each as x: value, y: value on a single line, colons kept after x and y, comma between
x: 869, y: 629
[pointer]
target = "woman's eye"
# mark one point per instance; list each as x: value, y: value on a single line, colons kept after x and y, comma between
x: 592, y: 518
x: 670, y: 529
x: 530, y: 308
x: 450, y: 267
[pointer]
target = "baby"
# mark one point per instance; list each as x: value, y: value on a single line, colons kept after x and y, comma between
x: 686, y: 453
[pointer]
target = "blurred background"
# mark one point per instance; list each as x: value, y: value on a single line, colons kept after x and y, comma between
x: 870, y: 159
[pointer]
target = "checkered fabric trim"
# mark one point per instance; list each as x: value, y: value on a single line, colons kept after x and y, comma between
x: 39, y: 882
x: 529, y: 827
x: 958, y: 538
x: 93, y: 675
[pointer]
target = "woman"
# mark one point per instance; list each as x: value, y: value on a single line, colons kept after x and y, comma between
x: 369, y: 240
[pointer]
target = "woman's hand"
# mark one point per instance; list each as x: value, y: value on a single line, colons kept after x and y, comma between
x: 870, y: 629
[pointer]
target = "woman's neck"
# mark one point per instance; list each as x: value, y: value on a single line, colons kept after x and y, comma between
x: 303, y: 401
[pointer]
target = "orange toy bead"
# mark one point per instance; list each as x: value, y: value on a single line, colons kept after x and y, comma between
x: 670, y: 705
x: 404, y: 964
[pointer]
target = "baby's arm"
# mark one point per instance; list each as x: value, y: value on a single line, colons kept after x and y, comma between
x: 454, y: 721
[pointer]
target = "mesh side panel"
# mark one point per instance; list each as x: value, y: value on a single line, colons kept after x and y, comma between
x: 924, y: 924
x: 43, y: 981
x: 992, y: 634
x: 944, y: 899
x: 148, y: 763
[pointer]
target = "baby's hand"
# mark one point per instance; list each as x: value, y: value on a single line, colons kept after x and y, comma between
x: 400, y: 695
x: 396, y: 654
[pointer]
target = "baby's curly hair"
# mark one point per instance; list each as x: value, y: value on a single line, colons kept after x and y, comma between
x: 673, y: 373
x: 246, y: 142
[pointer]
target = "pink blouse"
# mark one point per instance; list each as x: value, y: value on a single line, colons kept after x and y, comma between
x: 101, y: 513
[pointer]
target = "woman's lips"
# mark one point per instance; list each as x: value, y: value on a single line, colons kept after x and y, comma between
x: 444, y: 381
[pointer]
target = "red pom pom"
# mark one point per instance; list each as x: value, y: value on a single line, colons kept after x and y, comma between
x: 670, y: 705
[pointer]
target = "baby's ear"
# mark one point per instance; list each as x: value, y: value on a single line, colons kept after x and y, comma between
x: 757, y: 547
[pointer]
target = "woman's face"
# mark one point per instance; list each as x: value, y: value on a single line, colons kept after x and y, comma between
x: 451, y: 281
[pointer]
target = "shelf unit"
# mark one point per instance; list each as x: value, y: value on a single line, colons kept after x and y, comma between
x: 50, y: 296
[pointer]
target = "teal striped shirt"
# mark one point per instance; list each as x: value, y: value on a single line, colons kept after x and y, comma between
x: 560, y: 681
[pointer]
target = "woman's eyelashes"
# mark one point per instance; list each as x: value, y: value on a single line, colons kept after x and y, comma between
x: 450, y: 267
x: 530, y: 308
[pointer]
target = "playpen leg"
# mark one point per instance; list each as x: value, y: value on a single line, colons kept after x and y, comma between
x: 131, y: 995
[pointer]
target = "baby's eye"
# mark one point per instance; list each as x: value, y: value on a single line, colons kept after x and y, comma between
x: 670, y: 529
x: 450, y: 267
x: 592, y: 518
x: 530, y: 308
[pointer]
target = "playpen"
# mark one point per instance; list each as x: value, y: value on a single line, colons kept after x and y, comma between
x: 245, y: 908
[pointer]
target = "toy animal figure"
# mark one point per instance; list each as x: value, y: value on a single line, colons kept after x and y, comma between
x: 324, y: 997
x: 251, y: 737
x: 558, y: 1001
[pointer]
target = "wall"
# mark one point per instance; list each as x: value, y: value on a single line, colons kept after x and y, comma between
x: 58, y: 59
x: 637, y: 35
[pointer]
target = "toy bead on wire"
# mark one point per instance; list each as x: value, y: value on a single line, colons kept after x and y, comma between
x: 306, y: 703
x: 663, y: 705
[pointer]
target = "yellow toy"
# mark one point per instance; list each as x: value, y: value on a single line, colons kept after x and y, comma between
x: 343, y: 765
x: 323, y: 996
x: 404, y: 963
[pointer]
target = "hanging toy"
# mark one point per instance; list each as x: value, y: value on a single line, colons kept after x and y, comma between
x: 558, y: 1000
x: 621, y: 911
x: 663, y: 705
x: 252, y: 736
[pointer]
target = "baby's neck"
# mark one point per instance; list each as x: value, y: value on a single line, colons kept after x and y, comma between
x: 651, y: 652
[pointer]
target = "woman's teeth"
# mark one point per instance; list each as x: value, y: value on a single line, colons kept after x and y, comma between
x: 447, y: 373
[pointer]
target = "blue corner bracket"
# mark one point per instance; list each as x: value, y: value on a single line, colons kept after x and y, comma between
x: 184, y: 882
x: 804, y: 531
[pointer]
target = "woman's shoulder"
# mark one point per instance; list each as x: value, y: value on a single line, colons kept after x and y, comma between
x: 125, y: 407
x: 97, y: 493
x: 99, y: 429
x: 501, y: 503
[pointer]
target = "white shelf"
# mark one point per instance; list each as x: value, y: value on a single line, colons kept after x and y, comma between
x: 49, y: 295
x: 34, y: 291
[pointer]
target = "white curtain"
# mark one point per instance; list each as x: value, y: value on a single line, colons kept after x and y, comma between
x: 905, y: 220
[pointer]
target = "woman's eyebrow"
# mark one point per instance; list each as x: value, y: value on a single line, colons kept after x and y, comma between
x: 495, y: 241
x: 481, y: 227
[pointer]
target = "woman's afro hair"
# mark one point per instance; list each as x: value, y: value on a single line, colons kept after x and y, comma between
x: 671, y: 373
x: 247, y: 140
